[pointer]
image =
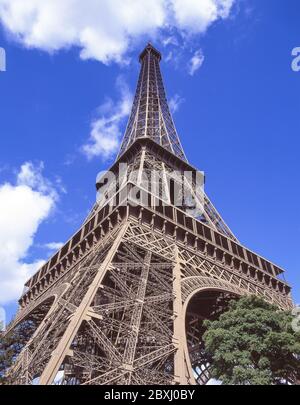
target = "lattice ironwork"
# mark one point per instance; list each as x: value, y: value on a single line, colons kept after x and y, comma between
x: 123, y: 301
x: 150, y: 115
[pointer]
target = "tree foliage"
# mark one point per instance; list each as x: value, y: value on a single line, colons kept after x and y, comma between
x: 11, y: 345
x: 253, y: 343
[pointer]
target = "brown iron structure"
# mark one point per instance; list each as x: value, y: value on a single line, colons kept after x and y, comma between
x: 123, y: 301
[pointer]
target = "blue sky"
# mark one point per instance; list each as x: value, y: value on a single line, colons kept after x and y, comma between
x: 237, y: 113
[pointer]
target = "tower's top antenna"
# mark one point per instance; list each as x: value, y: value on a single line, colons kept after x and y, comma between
x: 150, y: 49
x: 150, y: 115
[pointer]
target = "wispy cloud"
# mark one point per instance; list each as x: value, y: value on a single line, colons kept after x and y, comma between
x: 175, y: 102
x: 195, y: 62
x: 31, y: 176
x: 170, y: 40
x: 106, y: 131
x: 52, y: 246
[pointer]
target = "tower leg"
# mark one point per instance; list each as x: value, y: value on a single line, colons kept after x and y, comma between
x: 180, y: 371
x: 80, y: 314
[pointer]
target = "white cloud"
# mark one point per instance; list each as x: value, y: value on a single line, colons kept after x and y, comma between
x: 196, y: 62
x: 195, y: 16
x: 170, y: 40
x: 32, y: 177
x: 175, y: 102
x: 105, y: 29
x: 105, y: 129
x: 54, y: 245
x: 23, y: 207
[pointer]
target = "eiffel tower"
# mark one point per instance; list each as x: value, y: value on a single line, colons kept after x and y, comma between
x: 123, y: 301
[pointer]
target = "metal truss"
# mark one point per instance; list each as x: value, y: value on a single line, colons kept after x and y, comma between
x: 116, y: 321
x: 123, y: 301
x: 209, y: 214
x: 124, y: 332
x: 150, y: 115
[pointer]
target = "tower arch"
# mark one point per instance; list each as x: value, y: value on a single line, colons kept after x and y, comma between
x: 207, y: 298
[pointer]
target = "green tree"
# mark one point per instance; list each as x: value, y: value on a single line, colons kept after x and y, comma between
x: 11, y: 345
x: 253, y: 343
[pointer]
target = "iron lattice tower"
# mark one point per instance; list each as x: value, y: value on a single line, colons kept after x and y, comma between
x: 123, y: 301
